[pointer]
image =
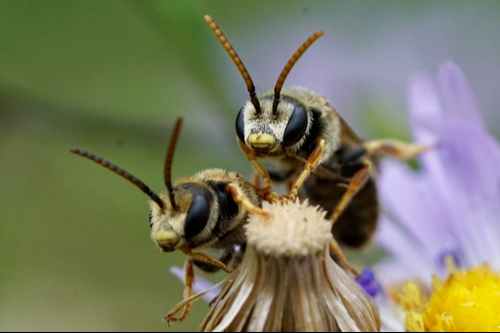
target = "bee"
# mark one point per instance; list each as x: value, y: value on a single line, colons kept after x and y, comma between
x: 314, y: 148
x: 194, y: 213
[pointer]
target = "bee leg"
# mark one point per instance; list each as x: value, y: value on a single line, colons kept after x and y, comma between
x: 209, y: 268
x: 357, y: 182
x: 205, y: 263
x: 255, y: 180
x: 339, y: 257
x: 188, y: 292
x: 311, y: 164
x: 241, y: 199
x: 260, y: 169
x: 398, y: 149
x: 204, y: 258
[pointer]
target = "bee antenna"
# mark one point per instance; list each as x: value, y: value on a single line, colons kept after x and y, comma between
x: 119, y: 171
x: 289, y: 65
x: 237, y: 61
x: 167, y: 171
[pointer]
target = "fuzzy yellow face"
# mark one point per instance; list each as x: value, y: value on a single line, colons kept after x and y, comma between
x: 167, y: 226
x: 190, y: 220
x: 271, y: 132
x: 301, y: 118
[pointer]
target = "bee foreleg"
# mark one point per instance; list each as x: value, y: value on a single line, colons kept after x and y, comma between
x: 241, y: 199
x: 188, y: 292
x: 188, y: 286
x: 357, y: 182
x: 209, y: 268
x: 204, y: 257
x: 311, y: 164
x: 255, y: 180
x: 395, y: 148
x: 339, y: 257
x: 258, y: 167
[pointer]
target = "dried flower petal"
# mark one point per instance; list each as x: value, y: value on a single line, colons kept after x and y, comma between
x: 287, y: 280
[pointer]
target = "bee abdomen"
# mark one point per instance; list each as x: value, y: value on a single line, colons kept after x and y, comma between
x: 358, y: 223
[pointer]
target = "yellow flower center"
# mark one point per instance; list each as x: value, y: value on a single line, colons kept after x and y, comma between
x: 468, y: 301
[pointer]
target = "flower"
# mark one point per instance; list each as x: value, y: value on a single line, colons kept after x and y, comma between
x: 288, y: 282
x: 450, y: 207
x: 467, y: 301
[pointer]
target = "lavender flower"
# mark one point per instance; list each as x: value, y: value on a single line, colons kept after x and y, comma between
x: 450, y: 208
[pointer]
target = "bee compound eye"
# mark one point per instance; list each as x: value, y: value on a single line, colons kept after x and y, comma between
x: 240, y: 126
x: 150, y: 219
x: 296, y: 127
x: 197, y: 216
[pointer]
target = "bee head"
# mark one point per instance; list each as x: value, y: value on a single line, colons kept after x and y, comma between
x: 186, y: 209
x: 270, y: 123
x: 270, y: 131
x: 184, y: 222
x: 182, y: 212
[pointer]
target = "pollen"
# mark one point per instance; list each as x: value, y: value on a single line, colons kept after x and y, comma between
x: 467, y: 301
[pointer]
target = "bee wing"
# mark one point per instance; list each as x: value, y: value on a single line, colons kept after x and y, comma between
x: 349, y: 137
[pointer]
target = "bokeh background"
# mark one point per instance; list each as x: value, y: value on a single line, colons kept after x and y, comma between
x: 111, y: 76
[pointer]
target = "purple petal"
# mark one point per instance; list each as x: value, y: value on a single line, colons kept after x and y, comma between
x: 452, y: 206
x: 369, y: 282
x: 410, y: 200
x: 472, y: 157
x: 200, y: 284
x: 178, y: 272
x: 391, y: 271
x: 465, y: 170
x: 411, y: 255
x: 457, y: 97
x: 425, y: 108
x: 470, y: 188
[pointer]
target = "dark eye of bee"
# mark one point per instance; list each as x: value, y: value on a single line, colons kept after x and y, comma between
x: 240, y: 126
x: 296, y: 127
x: 199, y: 212
x: 150, y: 219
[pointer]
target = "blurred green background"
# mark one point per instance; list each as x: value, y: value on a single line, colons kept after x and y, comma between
x: 111, y: 76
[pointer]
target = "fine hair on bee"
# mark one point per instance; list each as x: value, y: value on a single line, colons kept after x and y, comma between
x: 288, y: 280
x: 296, y: 127
x: 194, y: 213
